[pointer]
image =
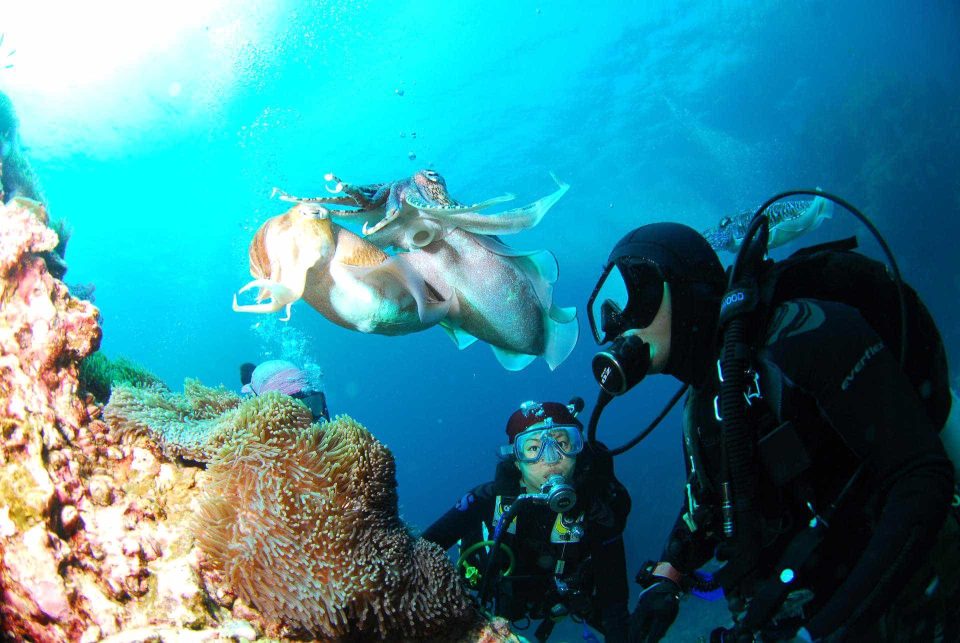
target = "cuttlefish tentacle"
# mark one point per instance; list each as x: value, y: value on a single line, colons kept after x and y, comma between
x: 280, y: 297
x: 326, y: 200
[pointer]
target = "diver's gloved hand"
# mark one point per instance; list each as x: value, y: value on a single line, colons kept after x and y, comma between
x: 656, y: 611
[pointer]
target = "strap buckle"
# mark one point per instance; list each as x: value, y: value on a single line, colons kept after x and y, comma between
x: 752, y: 393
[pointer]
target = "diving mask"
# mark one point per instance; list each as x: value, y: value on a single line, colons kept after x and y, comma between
x: 628, y: 295
x: 548, y: 443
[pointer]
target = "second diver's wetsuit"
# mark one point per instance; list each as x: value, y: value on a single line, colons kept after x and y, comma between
x: 824, y: 369
x: 572, y: 562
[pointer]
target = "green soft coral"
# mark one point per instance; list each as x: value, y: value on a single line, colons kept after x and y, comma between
x: 99, y: 375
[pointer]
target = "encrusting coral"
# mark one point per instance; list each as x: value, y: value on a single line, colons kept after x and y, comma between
x: 44, y: 332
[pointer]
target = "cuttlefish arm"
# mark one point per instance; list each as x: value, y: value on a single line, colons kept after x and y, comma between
x: 508, y: 222
x: 280, y: 297
x: 347, y: 200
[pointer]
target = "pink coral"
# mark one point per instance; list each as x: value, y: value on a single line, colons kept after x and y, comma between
x: 44, y: 332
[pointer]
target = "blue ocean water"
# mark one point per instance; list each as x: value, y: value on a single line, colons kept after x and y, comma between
x: 158, y: 133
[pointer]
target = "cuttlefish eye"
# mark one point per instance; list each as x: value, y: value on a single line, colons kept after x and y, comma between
x: 432, y: 176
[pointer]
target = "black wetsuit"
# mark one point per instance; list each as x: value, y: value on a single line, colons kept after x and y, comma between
x: 593, y: 567
x: 827, y: 371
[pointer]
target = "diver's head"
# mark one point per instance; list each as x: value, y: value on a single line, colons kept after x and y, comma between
x: 657, y: 301
x: 246, y: 372
x: 545, y: 438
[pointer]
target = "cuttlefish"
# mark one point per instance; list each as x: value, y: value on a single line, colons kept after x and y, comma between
x: 788, y: 220
x: 302, y: 254
x: 470, y: 291
x: 460, y: 248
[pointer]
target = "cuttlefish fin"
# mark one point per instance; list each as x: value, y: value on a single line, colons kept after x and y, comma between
x: 563, y: 331
x: 508, y: 222
x: 540, y: 266
x: 512, y: 361
x: 280, y: 297
x: 460, y: 337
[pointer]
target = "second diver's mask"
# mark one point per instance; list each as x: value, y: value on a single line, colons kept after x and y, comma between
x: 548, y: 443
x: 627, y: 296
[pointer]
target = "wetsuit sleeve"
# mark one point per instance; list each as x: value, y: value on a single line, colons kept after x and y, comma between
x: 829, y: 351
x: 463, y: 519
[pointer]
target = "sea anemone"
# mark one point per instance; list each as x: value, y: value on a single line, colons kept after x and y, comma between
x: 188, y: 425
x: 302, y: 521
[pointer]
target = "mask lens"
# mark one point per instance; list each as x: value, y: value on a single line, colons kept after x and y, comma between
x: 611, y: 319
x: 548, y: 444
x: 646, y: 294
x: 609, y: 298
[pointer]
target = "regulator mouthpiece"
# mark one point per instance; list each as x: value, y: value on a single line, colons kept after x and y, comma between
x: 623, y: 365
x: 560, y: 493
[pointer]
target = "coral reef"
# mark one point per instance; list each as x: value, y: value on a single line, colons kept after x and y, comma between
x: 300, y: 520
x: 105, y: 537
x: 99, y: 374
x: 17, y: 177
x: 44, y: 332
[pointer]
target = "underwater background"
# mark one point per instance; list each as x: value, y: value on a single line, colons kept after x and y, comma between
x: 158, y: 133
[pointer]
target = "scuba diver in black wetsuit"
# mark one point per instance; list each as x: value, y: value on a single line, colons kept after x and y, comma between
x: 826, y: 497
x: 555, y: 515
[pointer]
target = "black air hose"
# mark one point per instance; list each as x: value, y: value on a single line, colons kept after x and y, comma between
x: 736, y: 439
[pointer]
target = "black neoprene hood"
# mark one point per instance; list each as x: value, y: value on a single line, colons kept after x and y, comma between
x: 696, y: 279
